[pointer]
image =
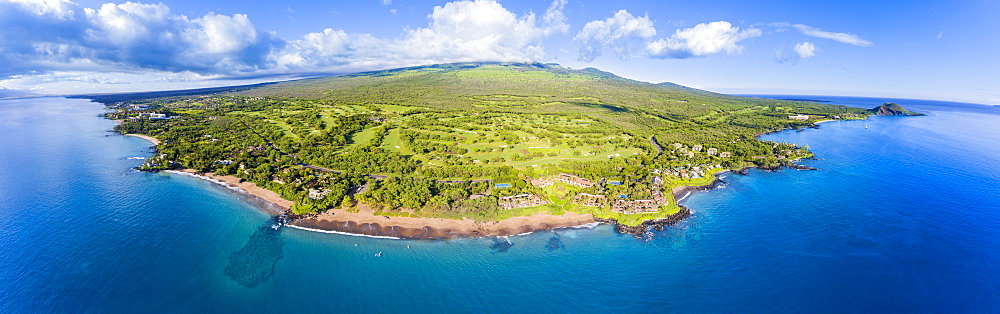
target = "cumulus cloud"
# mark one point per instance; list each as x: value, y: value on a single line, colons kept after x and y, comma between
x: 800, y: 51
x: 805, y: 49
x: 623, y: 32
x: 60, y: 9
x: 818, y: 33
x: 480, y: 30
x: 39, y: 36
x: 59, y: 35
x: 701, y: 40
x: 554, y: 20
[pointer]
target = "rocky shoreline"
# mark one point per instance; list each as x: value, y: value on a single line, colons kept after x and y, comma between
x: 641, y: 230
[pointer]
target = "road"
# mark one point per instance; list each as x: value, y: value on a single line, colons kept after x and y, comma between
x: 652, y: 140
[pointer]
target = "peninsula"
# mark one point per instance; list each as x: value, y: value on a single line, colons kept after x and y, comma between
x: 469, y: 149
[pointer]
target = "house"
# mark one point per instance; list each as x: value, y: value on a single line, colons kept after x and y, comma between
x: 696, y: 148
x: 799, y: 117
x: 712, y: 151
x: 657, y: 181
x: 158, y: 116
x: 318, y: 194
x: 724, y: 154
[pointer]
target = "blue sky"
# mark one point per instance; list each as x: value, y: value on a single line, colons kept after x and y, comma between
x: 910, y: 49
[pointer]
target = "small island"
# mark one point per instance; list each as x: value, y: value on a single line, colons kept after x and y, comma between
x: 893, y: 109
x: 469, y: 149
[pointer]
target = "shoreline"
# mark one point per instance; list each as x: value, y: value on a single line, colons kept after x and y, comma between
x: 366, y: 223
x: 145, y: 137
x: 683, y: 191
x: 281, y: 205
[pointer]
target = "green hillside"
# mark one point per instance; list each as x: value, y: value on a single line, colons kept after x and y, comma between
x: 454, y: 140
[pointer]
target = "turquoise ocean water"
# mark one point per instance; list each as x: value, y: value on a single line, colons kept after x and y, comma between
x: 904, y: 215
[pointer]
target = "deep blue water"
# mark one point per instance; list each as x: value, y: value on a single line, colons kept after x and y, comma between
x: 903, y: 216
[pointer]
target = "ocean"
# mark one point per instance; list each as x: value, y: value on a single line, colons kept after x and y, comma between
x: 903, y: 216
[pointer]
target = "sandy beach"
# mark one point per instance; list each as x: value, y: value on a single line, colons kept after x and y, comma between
x: 249, y: 187
x: 145, y: 137
x: 680, y: 192
x: 365, y: 222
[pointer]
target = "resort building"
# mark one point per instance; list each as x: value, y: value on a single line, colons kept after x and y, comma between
x: 799, y: 117
x: 574, y: 180
x: 592, y: 200
x: 520, y: 201
x: 712, y: 151
x: 658, y: 197
x: 157, y: 116
x: 543, y: 182
x: 635, y: 206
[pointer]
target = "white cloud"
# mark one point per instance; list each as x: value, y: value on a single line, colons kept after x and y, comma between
x: 623, y: 32
x: 818, y: 33
x: 802, y: 50
x: 703, y: 39
x: 55, y: 35
x: 60, y: 35
x: 481, y: 30
x: 330, y: 47
x: 61, y: 9
x: 554, y: 19
x: 805, y: 50
x: 467, y: 30
x: 940, y: 35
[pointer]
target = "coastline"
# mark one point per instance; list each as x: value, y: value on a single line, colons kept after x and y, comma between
x: 366, y: 223
x: 683, y: 191
x: 145, y: 137
x: 282, y: 205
